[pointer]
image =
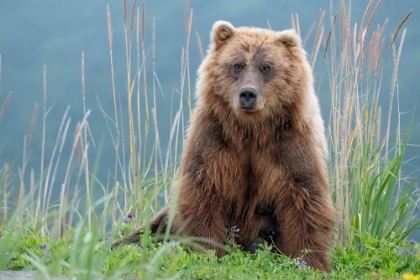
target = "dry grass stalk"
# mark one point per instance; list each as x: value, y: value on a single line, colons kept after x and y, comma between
x: 308, y: 34
x: 67, y: 177
x: 130, y: 90
x: 187, y: 18
x: 83, y: 146
x: 394, y: 36
x: 114, y: 94
x: 200, y: 46
x: 5, y: 104
x: 138, y: 94
x: 396, y: 60
x: 372, y: 16
x: 157, y: 148
x: 366, y: 13
x: 33, y: 123
x: 345, y: 22
x: 142, y: 22
x: 44, y: 125
x: 318, y: 39
x: 55, y: 159
x: 125, y: 11
x: 133, y: 9
x: 327, y: 42
x: 188, y: 24
x: 6, y: 194
x: 295, y: 23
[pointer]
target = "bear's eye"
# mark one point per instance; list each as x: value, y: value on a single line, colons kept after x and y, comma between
x: 237, y: 67
x: 266, y: 69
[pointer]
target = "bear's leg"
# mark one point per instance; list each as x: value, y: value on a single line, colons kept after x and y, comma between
x: 157, y: 226
x: 200, y: 215
x: 304, y: 206
x: 306, y: 222
x: 211, y: 176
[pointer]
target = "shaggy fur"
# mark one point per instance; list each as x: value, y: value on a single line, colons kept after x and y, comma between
x: 255, y: 152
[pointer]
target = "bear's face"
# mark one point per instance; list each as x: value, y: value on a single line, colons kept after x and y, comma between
x: 255, y: 71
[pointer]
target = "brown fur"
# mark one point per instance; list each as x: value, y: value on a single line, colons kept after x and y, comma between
x: 271, y: 155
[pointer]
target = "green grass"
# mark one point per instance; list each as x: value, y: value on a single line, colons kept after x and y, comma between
x: 71, y: 235
x: 83, y: 255
x: 370, y: 192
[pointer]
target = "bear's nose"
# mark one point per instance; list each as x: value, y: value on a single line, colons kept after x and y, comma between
x: 247, y: 97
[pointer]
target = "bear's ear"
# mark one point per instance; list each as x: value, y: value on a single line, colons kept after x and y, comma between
x: 289, y: 38
x: 221, y: 31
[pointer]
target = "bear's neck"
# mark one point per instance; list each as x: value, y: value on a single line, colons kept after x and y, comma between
x: 242, y: 132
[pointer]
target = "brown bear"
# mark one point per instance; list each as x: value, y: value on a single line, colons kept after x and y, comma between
x: 255, y: 152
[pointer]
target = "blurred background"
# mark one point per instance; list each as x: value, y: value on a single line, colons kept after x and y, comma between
x: 55, y: 33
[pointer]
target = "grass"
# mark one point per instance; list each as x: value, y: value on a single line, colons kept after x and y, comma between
x: 71, y: 236
x: 82, y: 255
x: 370, y: 192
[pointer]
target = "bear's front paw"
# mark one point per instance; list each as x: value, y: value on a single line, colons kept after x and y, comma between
x: 253, y: 246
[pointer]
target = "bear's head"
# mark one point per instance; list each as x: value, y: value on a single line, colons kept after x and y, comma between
x: 257, y: 73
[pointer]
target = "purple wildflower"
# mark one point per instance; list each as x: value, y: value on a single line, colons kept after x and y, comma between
x: 43, y: 247
x: 235, y: 229
x: 412, y: 242
x: 122, y: 232
x: 131, y: 215
x: 301, y: 264
x: 359, y: 245
x: 125, y: 221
